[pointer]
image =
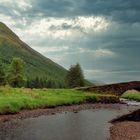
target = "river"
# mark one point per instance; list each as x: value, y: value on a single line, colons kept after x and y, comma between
x: 89, y: 124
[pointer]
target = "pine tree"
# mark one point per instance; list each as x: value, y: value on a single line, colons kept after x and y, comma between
x: 37, y: 83
x: 2, y: 74
x: 16, y: 73
x: 49, y: 84
x: 75, y: 77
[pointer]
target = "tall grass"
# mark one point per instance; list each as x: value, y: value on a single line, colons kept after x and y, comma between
x: 13, y: 100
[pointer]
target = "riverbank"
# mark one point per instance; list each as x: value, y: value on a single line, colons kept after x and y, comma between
x: 23, y: 114
x: 128, y: 130
x: 126, y: 127
x: 13, y: 100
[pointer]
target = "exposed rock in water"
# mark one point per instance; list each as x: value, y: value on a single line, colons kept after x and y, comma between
x: 134, y: 116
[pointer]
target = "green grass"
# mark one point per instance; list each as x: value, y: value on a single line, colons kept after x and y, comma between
x: 131, y: 96
x: 12, y: 100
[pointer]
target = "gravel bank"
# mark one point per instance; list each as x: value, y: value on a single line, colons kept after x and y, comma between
x: 128, y: 130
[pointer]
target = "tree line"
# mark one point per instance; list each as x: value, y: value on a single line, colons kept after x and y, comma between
x: 14, y: 75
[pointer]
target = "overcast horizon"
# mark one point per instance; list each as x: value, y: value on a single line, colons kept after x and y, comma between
x: 102, y: 35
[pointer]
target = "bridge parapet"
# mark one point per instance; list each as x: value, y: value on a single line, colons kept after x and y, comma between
x: 117, y: 89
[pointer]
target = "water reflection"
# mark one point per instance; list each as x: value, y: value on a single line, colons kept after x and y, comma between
x: 130, y: 102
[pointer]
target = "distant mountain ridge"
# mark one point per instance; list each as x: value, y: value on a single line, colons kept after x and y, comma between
x: 37, y: 65
x: 97, y: 83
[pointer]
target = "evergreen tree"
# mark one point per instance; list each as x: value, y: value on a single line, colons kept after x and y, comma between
x: 75, y: 77
x: 37, y: 83
x: 49, y: 84
x: 16, y: 73
x: 2, y: 74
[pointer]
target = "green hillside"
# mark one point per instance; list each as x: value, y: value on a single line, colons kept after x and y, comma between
x: 36, y: 64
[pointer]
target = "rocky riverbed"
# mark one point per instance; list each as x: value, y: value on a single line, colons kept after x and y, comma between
x: 93, y: 121
x: 127, y: 130
x: 126, y: 127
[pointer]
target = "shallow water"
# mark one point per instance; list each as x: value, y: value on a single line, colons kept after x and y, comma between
x: 89, y: 124
x: 129, y: 102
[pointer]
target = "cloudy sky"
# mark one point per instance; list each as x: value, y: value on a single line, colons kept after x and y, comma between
x: 102, y: 35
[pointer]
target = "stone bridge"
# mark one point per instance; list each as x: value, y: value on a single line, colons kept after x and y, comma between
x: 117, y: 89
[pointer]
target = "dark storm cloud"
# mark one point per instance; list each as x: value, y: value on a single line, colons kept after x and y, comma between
x: 56, y: 8
x: 119, y: 10
x: 127, y: 11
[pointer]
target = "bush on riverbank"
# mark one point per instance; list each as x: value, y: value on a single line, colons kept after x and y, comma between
x: 132, y: 95
x: 12, y: 100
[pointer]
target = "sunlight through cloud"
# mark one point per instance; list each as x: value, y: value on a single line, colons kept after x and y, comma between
x: 66, y: 27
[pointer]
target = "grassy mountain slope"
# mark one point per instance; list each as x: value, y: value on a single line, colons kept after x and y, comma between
x: 36, y: 64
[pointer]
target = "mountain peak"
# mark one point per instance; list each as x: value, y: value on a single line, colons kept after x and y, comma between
x: 6, y: 32
x: 2, y: 24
